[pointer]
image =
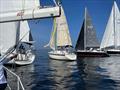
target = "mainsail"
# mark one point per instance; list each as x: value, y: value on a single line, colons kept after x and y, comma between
x: 87, y: 37
x: 60, y: 35
x: 26, y: 9
x: 111, y: 38
x: 9, y: 32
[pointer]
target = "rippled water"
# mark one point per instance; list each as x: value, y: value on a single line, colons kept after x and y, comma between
x: 83, y: 74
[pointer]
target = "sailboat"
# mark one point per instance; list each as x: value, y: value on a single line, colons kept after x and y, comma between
x: 111, y: 38
x: 87, y: 44
x: 25, y: 53
x: 60, y: 41
x: 20, y: 32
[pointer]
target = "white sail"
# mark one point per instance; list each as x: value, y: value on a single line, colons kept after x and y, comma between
x: 117, y: 25
x: 63, y: 36
x: 8, y: 35
x: 111, y: 36
x: 24, y: 31
x: 18, y: 5
x: 26, y: 9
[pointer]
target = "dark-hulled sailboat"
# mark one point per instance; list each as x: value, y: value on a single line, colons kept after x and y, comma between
x: 87, y: 43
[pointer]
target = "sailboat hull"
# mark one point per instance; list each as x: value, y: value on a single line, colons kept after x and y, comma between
x: 62, y: 55
x: 83, y: 53
x: 113, y: 51
x: 22, y: 59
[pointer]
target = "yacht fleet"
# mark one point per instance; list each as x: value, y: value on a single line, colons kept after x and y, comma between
x: 19, y: 41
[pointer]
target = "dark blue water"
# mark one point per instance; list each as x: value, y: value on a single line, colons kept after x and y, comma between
x: 83, y: 74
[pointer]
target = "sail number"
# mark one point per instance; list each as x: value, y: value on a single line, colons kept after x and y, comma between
x: 20, y: 13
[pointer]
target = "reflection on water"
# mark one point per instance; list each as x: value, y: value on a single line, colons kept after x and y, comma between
x: 83, y: 74
x: 101, y: 73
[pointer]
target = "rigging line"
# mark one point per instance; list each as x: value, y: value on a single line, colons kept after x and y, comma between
x: 18, y: 78
x: 55, y: 2
x: 12, y: 49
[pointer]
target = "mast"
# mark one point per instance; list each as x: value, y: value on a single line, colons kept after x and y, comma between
x: 114, y: 26
x: 55, y: 37
x: 85, y: 29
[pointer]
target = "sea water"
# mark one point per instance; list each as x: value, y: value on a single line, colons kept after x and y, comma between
x: 82, y: 74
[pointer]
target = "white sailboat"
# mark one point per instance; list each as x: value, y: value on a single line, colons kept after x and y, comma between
x: 60, y: 41
x: 25, y: 53
x: 111, y: 38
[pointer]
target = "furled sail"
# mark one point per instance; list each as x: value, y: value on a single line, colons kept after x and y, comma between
x: 60, y: 35
x: 111, y: 38
x: 87, y: 37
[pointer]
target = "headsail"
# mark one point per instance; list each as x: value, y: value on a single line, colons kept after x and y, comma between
x: 87, y: 37
x: 63, y: 35
x: 52, y: 42
x: 24, y: 30
x: 111, y: 38
x: 80, y: 42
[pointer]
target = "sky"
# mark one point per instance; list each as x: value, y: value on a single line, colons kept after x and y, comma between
x: 99, y: 11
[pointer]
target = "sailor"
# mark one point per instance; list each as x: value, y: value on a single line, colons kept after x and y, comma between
x: 3, y: 81
x: 22, y: 49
